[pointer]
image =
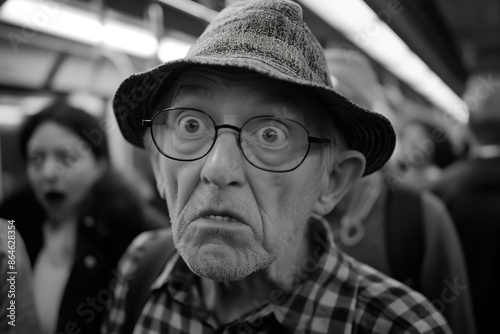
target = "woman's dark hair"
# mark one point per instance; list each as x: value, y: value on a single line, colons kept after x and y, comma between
x: 78, y: 121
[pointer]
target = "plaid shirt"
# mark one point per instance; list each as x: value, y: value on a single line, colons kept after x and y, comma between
x: 339, y: 295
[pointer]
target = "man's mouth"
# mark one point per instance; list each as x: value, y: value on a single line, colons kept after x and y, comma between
x: 221, y: 218
x: 220, y: 215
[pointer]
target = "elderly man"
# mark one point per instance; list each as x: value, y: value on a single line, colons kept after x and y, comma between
x: 251, y: 146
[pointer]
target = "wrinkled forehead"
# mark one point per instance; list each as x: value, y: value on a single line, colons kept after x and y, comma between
x: 208, y: 84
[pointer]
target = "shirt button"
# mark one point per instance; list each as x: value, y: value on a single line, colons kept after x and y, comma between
x: 89, y: 261
x: 88, y: 221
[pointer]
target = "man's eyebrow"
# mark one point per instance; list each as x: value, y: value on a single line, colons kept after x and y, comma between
x: 288, y: 99
x: 194, y: 89
x: 283, y: 98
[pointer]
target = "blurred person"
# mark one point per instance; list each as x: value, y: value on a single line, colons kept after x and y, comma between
x: 424, y: 151
x: 154, y: 207
x: 471, y: 190
x: 386, y: 224
x: 250, y: 144
x: 77, y: 216
x: 17, y: 307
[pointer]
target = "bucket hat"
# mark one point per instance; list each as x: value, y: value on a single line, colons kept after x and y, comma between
x: 269, y: 38
x: 353, y: 75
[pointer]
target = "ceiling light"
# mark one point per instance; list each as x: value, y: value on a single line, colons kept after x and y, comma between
x: 131, y: 39
x: 79, y: 25
x: 172, y: 48
x: 10, y: 116
x: 192, y: 8
x: 14, y: 109
x: 361, y: 25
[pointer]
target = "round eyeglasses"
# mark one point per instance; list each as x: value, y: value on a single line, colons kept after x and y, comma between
x: 270, y: 143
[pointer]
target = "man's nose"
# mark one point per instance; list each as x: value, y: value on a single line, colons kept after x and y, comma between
x: 223, y: 165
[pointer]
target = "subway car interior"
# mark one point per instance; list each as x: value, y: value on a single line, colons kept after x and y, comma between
x: 432, y: 67
x: 423, y: 52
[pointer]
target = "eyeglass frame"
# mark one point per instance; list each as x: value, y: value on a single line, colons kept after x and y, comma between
x: 311, y: 139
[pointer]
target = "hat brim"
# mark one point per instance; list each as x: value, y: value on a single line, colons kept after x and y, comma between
x: 365, y: 131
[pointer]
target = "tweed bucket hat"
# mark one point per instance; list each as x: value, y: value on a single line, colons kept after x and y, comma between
x: 270, y: 38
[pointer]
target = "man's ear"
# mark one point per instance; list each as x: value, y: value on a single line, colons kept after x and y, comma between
x: 339, y: 181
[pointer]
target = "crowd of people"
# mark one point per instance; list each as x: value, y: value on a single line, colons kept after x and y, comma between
x: 297, y: 199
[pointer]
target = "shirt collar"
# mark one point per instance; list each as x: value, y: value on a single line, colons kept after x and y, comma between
x: 331, y: 286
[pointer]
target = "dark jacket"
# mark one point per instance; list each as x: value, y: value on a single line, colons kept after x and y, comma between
x: 112, y: 218
x: 471, y: 191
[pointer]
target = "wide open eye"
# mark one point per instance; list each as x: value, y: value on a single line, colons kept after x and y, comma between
x: 191, y: 126
x: 270, y: 134
x: 35, y: 159
x: 71, y: 159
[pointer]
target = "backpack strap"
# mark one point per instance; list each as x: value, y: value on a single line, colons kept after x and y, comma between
x: 155, y: 256
x: 405, y: 235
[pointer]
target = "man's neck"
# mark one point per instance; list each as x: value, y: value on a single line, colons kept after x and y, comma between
x: 230, y: 300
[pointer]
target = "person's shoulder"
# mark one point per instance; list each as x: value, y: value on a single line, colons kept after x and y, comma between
x: 432, y: 205
x: 439, y: 227
x: 139, y: 246
x: 389, y: 306
x: 148, y: 237
x: 429, y: 201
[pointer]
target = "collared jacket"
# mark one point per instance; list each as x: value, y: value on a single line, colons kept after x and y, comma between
x: 112, y: 217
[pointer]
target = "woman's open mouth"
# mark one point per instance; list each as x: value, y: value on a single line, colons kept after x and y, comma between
x: 55, y: 197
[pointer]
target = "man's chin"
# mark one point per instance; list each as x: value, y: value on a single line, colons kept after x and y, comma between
x: 218, y: 274
x: 222, y: 263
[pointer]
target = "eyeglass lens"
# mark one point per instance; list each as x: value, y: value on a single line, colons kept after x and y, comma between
x: 267, y: 142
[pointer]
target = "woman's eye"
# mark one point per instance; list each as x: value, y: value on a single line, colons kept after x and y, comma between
x: 70, y: 159
x: 35, y: 160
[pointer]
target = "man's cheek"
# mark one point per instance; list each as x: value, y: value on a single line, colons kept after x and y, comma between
x: 180, y: 183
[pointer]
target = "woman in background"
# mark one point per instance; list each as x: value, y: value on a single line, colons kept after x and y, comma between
x: 77, y: 217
